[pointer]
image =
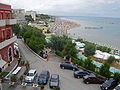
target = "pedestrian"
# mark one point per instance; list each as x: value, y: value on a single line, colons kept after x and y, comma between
x: 47, y: 58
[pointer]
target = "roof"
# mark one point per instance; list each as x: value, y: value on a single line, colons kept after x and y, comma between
x: 32, y: 71
x: 44, y: 72
x: 54, y: 75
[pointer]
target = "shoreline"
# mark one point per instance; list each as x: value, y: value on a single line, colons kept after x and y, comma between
x: 62, y: 26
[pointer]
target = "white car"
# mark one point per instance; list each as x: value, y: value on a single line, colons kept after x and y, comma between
x: 32, y: 74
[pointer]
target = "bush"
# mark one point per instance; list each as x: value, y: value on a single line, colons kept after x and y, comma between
x: 117, y: 77
x: 104, y: 70
x: 56, y: 88
x: 13, y: 78
x: 41, y: 86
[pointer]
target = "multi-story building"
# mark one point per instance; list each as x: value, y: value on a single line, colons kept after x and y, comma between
x: 6, y: 36
x: 32, y: 13
x: 19, y: 14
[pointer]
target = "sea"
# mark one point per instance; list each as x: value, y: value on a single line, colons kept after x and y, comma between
x: 101, y: 30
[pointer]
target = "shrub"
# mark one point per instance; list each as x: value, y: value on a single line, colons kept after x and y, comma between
x: 56, y: 88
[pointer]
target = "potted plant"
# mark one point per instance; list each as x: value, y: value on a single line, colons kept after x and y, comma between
x: 13, y: 79
x: 56, y: 88
x: 42, y: 87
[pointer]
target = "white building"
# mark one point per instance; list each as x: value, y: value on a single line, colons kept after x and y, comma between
x: 19, y: 14
x: 32, y: 13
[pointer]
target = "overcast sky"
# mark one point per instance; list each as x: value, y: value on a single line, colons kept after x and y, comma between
x: 100, y: 8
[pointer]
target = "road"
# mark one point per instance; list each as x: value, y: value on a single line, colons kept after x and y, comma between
x: 67, y: 81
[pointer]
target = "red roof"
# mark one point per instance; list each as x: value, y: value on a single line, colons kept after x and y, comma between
x: 5, y: 6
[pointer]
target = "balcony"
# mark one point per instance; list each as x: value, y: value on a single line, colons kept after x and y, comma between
x: 11, y: 21
x: 2, y: 23
x: 7, y: 42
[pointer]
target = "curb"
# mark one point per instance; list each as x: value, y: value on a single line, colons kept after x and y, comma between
x: 33, y: 51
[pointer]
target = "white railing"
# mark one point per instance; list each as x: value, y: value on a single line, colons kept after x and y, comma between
x: 2, y: 23
x: 8, y: 42
x: 11, y: 21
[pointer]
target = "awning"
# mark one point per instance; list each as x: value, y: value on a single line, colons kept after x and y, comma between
x: 2, y: 63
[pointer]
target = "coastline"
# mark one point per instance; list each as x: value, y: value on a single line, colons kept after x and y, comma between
x: 59, y: 27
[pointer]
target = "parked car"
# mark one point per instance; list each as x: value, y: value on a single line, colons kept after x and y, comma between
x: 43, y: 77
x: 109, y: 84
x: 117, y: 87
x: 31, y: 76
x: 54, y: 81
x: 68, y: 65
x: 92, y: 79
x: 81, y: 73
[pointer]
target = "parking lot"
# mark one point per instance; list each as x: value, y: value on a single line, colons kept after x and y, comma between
x: 67, y: 81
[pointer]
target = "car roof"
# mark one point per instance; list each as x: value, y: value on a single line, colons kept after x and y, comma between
x: 32, y: 71
x: 44, y: 72
x: 54, y: 76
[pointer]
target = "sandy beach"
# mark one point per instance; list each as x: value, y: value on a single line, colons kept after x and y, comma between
x: 60, y: 26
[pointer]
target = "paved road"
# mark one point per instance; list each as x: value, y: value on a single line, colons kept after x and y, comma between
x: 67, y: 81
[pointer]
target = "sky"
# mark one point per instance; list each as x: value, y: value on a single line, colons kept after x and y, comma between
x: 99, y: 8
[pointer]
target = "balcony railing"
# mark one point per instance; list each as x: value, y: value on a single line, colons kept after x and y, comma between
x: 7, y: 42
x: 2, y: 23
x: 11, y: 21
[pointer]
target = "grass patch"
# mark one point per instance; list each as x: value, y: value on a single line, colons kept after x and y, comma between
x: 4, y: 74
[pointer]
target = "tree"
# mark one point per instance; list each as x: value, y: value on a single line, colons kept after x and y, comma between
x: 104, y: 70
x: 89, y: 65
x: 89, y: 49
x: 117, y: 77
x: 69, y: 50
x: 29, y: 18
x: 16, y: 29
x: 111, y: 59
x: 35, y: 43
x: 58, y: 42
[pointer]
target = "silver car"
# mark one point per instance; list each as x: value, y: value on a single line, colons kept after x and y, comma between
x: 30, y: 77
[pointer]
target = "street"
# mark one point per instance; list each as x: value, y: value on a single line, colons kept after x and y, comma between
x: 67, y: 81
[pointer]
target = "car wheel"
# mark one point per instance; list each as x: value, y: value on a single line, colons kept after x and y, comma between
x: 78, y: 76
x: 87, y: 82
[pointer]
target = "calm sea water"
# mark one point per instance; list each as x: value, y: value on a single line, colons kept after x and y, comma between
x: 104, y: 31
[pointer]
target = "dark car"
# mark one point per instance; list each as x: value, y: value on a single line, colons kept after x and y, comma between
x: 109, y: 84
x: 68, y: 65
x: 54, y: 81
x: 92, y: 79
x: 43, y: 77
x: 117, y: 87
x: 80, y: 73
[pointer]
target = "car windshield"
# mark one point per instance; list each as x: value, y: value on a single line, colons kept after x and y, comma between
x: 42, y: 76
x: 30, y: 74
x: 54, y: 80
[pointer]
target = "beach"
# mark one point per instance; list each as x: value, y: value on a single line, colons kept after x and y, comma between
x: 60, y: 26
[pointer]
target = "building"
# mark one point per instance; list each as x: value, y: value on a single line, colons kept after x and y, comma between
x: 6, y: 36
x: 32, y: 13
x: 19, y: 14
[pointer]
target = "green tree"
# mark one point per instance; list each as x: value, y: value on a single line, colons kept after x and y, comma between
x: 58, y: 42
x: 89, y: 65
x: 111, y: 59
x: 117, y: 76
x: 104, y: 70
x: 29, y: 18
x: 35, y: 43
x: 69, y: 50
x: 16, y: 29
x: 90, y: 49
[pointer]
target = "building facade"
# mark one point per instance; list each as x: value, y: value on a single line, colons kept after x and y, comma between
x: 32, y: 13
x: 6, y: 36
x: 19, y: 14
